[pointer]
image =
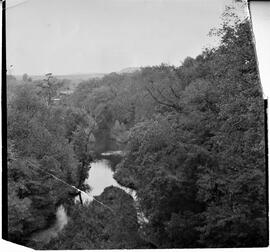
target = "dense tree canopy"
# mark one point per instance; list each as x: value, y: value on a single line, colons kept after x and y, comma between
x: 41, y: 140
x: 194, y: 147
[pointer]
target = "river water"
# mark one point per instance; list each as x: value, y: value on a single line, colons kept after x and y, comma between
x: 46, y: 235
x: 100, y: 176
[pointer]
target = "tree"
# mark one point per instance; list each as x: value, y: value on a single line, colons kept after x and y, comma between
x: 49, y: 87
x: 37, y: 148
x: 26, y: 78
x: 110, y: 226
x: 204, y: 162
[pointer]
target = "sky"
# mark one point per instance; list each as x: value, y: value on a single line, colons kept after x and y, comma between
x: 102, y: 36
x: 260, y: 14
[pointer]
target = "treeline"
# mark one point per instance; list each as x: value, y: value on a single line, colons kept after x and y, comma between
x: 198, y: 162
x: 195, y: 143
x: 43, y: 140
x: 195, y: 152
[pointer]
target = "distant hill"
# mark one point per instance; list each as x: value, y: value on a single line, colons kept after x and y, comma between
x: 80, y: 76
x: 71, y: 80
x: 129, y: 70
x: 73, y: 77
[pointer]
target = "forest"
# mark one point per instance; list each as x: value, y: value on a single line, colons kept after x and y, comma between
x: 194, y: 151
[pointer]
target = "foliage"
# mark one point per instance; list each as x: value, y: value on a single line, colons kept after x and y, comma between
x: 198, y: 164
x: 40, y: 141
x: 194, y: 143
x: 115, y: 227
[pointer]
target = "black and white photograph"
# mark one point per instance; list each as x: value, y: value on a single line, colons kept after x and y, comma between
x: 134, y: 124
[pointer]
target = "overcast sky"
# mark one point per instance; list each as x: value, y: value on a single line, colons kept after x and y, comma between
x: 100, y: 36
x: 260, y: 13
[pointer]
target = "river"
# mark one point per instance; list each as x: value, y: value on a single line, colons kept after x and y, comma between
x: 100, y: 176
x: 46, y: 235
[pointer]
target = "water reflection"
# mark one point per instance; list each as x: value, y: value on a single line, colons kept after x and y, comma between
x: 100, y: 176
x: 110, y: 153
